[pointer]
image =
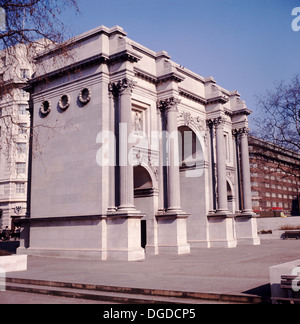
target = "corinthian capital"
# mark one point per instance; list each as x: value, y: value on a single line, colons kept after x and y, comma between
x: 121, y: 86
x: 240, y: 131
x: 244, y: 131
x: 167, y: 104
x: 219, y: 121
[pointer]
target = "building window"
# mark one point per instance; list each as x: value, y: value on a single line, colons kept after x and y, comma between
x: 21, y: 148
x: 3, y: 60
x: 24, y: 94
x: 20, y: 188
x: 23, y: 110
x: 22, y: 128
x: 21, y: 167
x: 24, y: 73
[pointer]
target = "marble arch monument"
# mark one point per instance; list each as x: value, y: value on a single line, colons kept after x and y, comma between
x: 139, y: 155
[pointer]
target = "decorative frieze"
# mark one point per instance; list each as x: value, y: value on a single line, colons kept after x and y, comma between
x: 194, y: 121
x: 148, y: 158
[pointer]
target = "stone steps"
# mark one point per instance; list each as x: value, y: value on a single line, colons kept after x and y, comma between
x: 122, y: 295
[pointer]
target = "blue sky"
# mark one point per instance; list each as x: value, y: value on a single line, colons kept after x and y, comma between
x: 244, y: 44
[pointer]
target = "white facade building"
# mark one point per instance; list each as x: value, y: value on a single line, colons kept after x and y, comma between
x: 139, y: 155
x: 15, y: 70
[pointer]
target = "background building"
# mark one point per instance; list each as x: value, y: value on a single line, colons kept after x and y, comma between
x: 15, y: 70
x: 275, y: 178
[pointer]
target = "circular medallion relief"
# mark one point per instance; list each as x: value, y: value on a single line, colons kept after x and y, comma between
x: 45, y: 108
x: 85, y: 95
x: 64, y: 102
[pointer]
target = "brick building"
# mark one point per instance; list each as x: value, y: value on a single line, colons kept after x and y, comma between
x: 275, y: 178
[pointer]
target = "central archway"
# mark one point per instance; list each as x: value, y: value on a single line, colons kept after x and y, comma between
x: 192, y: 184
x: 144, y: 200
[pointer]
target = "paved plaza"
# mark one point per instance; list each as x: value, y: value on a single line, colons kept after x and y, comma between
x: 243, y: 270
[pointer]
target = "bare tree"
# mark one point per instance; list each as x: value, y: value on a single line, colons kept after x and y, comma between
x: 278, y: 123
x: 27, y: 27
x: 279, y: 115
x: 27, y: 21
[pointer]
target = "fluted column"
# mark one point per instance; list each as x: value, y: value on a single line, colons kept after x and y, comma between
x: 122, y: 91
x: 124, y: 224
x: 246, y: 180
x: 112, y: 190
x: 221, y: 167
x: 172, y: 224
x: 245, y: 223
x: 126, y: 169
x: 169, y: 106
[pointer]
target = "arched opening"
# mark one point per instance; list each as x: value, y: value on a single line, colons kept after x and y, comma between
x: 190, y: 149
x: 142, y: 180
x: 230, y: 199
x: 143, y: 198
x: 192, y: 184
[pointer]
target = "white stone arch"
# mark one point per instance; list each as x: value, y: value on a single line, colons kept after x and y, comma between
x: 153, y: 171
x: 199, y: 137
x: 200, y: 134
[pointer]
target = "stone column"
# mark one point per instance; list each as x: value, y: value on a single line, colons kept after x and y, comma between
x: 170, y: 107
x: 112, y: 184
x: 172, y: 224
x: 126, y: 169
x: 245, y: 223
x: 221, y: 167
x: 124, y: 225
x: 247, y: 202
x: 221, y: 223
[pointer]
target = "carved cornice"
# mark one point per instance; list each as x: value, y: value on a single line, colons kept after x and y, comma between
x: 125, y: 55
x: 244, y: 111
x: 66, y: 70
x: 172, y: 76
x: 189, y: 95
x: 145, y: 75
x: 101, y: 58
x: 219, y: 99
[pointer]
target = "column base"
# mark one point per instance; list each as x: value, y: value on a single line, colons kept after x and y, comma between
x: 172, y: 232
x: 124, y: 236
x: 246, y: 229
x: 221, y: 230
